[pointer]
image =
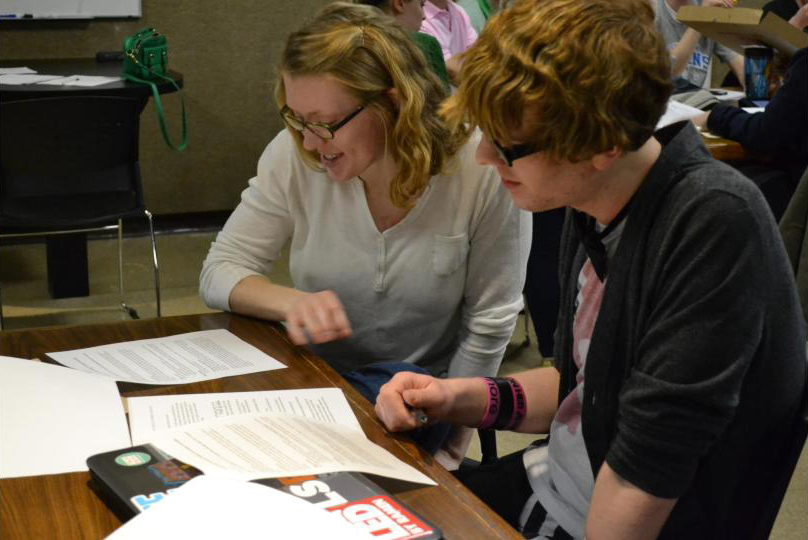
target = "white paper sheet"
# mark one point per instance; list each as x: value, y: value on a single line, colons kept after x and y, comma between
x: 729, y: 95
x: 676, y: 112
x: 183, y: 358
x: 210, y: 507
x: 53, y: 418
x: 16, y: 70
x: 250, y: 447
x: 155, y: 413
x: 81, y: 80
x: 25, y: 78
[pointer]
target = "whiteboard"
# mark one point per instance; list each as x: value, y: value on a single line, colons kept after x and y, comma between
x: 68, y: 9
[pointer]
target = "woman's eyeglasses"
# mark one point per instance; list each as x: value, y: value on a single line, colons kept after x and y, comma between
x: 321, y: 129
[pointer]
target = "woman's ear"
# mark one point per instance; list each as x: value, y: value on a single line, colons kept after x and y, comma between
x: 394, y: 96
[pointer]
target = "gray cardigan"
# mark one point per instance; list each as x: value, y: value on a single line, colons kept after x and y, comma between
x: 793, y: 228
x: 697, y: 359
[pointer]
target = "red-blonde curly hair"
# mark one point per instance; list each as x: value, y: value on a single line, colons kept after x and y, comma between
x: 369, y: 53
x: 591, y: 75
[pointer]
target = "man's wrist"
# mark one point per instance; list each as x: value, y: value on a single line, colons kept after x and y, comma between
x: 468, y: 400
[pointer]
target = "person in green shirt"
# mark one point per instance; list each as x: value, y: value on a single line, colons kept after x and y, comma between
x: 409, y: 14
x: 478, y: 11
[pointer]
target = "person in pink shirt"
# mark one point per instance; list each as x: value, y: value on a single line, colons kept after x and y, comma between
x: 451, y: 26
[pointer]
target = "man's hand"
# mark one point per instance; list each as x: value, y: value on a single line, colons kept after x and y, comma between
x: 718, y: 3
x: 800, y: 19
x: 701, y: 120
x: 407, y: 391
x: 317, y: 318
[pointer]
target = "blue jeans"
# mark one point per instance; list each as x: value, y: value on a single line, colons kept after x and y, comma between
x: 369, y: 379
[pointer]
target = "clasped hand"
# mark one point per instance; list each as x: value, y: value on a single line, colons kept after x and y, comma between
x: 407, y: 391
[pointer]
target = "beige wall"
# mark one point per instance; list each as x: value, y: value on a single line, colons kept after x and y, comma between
x: 227, y: 52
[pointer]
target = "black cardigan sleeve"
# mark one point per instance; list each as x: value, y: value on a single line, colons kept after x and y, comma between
x: 784, y: 120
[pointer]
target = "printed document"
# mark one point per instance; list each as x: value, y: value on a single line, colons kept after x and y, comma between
x: 210, y: 507
x: 257, y: 446
x: 676, y: 112
x: 25, y: 78
x: 52, y: 418
x: 183, y: 358
x: 81, y: 80
x: 155, y: 413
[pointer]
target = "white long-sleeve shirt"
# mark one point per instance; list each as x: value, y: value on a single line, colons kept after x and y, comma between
x: 442, y: 288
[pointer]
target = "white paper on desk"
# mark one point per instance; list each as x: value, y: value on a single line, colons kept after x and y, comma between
x: 156, y: 413
x: 183, y: 358
x: 210, y: 507
x: 53, y: 418
x: 676, y: 112
x: 255, y: 446
x: 26, y: 78
x: 81, y: 80
x: 16, y: 70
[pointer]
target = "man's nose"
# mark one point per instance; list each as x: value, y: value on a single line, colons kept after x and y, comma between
x: 487, y: 155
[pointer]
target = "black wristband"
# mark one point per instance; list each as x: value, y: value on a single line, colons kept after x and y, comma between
x: 506, y: 403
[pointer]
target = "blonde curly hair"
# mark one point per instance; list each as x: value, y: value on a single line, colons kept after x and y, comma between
x: 591, y: 74
x: 369, y: 53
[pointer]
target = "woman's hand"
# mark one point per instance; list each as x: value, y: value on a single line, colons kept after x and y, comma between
x: 407, y: 391
x: 317, y: 318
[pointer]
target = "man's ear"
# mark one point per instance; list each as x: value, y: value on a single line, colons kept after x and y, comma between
x: 397, y: 7
x: 604, y: 160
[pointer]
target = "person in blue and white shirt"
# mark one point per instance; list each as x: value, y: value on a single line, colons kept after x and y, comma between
x: 691, y: 53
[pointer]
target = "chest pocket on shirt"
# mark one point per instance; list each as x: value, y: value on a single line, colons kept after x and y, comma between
x: 450, y: 253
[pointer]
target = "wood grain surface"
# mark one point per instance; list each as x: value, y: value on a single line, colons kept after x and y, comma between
x: 62, y: 506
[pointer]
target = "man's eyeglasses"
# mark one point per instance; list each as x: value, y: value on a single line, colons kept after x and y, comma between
x: 509, y: 154
x: 321, y: 129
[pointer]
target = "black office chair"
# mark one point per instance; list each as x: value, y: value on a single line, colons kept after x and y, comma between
x: 70, y: 165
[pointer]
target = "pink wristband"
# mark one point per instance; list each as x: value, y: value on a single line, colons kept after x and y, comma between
x: 492, y: 406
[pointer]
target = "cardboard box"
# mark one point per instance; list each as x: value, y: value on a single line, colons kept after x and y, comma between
x: 737, y: 28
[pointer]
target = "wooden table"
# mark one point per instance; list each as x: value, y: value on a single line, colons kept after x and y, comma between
x: 724, y: 149
x: 62, y: 506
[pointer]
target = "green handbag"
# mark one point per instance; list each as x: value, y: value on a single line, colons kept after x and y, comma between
x: 145, y: 60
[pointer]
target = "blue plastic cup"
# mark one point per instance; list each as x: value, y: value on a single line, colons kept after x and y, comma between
x: 757, y: 70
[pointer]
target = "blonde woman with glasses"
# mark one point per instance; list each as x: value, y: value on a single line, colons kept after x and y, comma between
x: 404, y: 250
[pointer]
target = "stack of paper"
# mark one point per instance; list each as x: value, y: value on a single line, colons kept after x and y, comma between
x: 246, y: 436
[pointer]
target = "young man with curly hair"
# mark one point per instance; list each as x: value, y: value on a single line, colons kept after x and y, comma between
x: 680, y: 362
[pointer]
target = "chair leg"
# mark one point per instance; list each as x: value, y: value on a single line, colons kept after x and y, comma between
x: 132, y: 312
x: 527, y: 324
x: 154, y: 262
x: 1, y: 308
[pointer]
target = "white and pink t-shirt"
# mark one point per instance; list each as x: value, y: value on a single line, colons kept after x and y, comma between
x: 560, y: 472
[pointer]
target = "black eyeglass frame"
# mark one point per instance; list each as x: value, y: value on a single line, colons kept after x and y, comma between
x: 509, y: 154
x: 290, y: 119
